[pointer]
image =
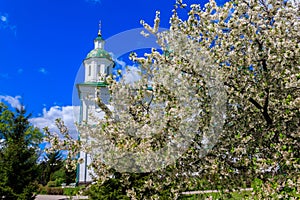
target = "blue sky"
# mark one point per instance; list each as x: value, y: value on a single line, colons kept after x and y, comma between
x: 43, y: 43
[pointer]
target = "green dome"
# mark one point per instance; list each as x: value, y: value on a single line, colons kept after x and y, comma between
x: 99, y: 38
x: 99, y: 53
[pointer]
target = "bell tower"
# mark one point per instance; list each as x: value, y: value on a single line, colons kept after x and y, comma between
x: 98, y: 64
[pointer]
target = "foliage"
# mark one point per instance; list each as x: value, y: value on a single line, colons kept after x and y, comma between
x: 55, y: 190
x: 53, y: 170
x: 216, y: 196
x: 18, y: 154
x: 70, y: 191
x: 59, y: 174
x: 56, y: 182
x: 110, y: 190
x: 117, y: 188
x: 245, y: 53
x: 42, y: 189
x: 52, y: 162
x: 70, y: 175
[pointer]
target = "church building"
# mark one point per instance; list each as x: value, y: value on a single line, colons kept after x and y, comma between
x: 98, y: 64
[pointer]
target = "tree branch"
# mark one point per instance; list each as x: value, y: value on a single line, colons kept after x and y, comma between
x: 265, y: 108
x: 255, y: 103
x: 103, y: 107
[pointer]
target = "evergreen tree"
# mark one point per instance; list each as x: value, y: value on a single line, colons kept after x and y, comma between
x: 18, y: 154
x: 53, y: 168
x: 52, y: 163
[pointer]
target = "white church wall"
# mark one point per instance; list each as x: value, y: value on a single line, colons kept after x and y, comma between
x: 85, y: 173
x: 96, y: 69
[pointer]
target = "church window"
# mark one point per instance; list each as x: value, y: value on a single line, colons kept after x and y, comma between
x: 98, y: 70
x: 102, y: 68
x: 90, y: 70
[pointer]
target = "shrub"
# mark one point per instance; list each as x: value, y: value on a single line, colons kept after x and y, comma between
x: 72, y: 191
x: 51, y: 184
x: 59, y: 174
x: 55, y: 190
x: 42, y: 189
x: 59, y: 181
x: 55, y: 183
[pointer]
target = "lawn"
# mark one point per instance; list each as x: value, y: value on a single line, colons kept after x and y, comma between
x: 230, y: 195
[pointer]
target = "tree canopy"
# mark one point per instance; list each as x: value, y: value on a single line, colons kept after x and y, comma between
x: 19, y: 152
x: 224, y: 99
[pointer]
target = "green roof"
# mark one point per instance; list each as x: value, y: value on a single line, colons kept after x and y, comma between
x: 99, y: 53
x: 99, y: 38
x: 95, y: 84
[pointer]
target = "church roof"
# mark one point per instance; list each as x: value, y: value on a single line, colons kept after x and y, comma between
x: 99, y: 37
x: 99, y: 53
x: 93, y: 84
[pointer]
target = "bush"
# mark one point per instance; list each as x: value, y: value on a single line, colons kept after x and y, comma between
x: 72, y: 191
x: 55, y: 183
x: 59, y: 190
x: 51, y: 184
x: 55, y: 190
x: 59, y: 174
x: 50, y: 190
x: 59, y: 181
x: 110, y: 190
x: 42, y: 189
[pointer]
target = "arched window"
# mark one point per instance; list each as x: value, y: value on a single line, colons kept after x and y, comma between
x: 102, y: 68
x: 90, y: 70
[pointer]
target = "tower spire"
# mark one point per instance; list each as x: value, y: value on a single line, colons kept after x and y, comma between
x: 99, y: 42
x: 99, y: 31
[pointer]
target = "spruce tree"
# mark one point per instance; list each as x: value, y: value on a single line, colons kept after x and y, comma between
x: 18, y: 154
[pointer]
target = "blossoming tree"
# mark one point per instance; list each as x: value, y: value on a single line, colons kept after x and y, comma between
x: 221, y: 103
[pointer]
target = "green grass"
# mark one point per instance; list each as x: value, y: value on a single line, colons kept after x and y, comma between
x: 72, y: 191
x: 231, y: 195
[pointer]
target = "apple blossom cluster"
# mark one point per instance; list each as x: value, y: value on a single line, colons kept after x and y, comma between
x: 222, y: 100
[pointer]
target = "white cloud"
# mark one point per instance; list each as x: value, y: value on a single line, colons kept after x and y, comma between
x: 3, y: 18
x: 43, y: 70
x: 131, y: 75
x: 4, y: 23
x: 120, y: 62
x: 66, y: 113
x: 13, y: 101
